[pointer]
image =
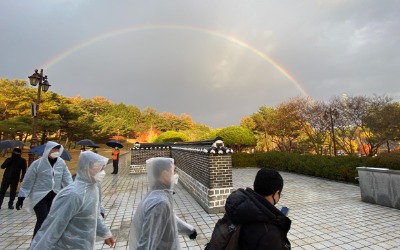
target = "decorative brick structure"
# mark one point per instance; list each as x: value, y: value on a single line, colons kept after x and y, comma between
x: 139, y: 155
x: 206, y: 176
x: 204, y: 168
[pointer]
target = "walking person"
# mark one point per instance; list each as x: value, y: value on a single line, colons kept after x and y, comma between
x: 262, y: 225
x: 44, y: 179
x: 15, y: 168
x: 94, y: 150
x: 155, y: 225
x: 115, y: 158
x: 74, y: 221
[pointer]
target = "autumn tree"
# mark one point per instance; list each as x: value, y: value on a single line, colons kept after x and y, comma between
x: 262, y: 122
x: 309, y: 115
x: 97, y: 105
x: 285, y: 129
x: 349, y: 121
x: 148, y: 136
x: 236, y: 137
x: 279, y: 125
x: 15, y: 98
x: 72, y: 119
x: 382, y: 125
x: 198, y: 132
x: 170, y: 121
x: 249, y: 123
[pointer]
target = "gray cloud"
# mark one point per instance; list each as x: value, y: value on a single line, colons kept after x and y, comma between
x: 187, y: 61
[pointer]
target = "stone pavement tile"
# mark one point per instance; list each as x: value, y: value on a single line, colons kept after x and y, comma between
x: 337, y: 248
x: 318, y: 246
x: 348, y: 247
x: 308, y: 247
x: 325, y: 214
x: 356, y: 244
x: 387, y: 245
x: 376, y: 247
x: 24, y: 246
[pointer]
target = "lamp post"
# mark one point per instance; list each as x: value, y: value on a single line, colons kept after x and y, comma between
x: 37, y: 79
x: 329, y: 114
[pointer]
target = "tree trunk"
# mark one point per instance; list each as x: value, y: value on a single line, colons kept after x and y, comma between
x: 26, y: 137
x: 66, y: 142
x: 43, y: 138
x: 265, y: 141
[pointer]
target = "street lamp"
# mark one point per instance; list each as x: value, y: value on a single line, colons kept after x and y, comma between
x: 329, y: 114
x: 37, y: 79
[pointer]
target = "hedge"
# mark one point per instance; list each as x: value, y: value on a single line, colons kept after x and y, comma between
x: 171, y: 136
x: 391, y: 161
x: 340, y: 168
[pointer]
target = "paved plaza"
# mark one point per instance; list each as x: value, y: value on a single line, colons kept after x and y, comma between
x: 325, y: 214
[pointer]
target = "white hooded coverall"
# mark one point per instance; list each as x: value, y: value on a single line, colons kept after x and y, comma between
x: 74, y: 220
x: 154, y: 225
x: 41, y: 177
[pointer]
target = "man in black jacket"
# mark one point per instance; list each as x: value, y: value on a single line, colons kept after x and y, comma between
x: 263, y: 226
x: 14, y: 166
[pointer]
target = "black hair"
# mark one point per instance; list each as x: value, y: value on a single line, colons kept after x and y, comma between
x: 17, y: 150
x: 267, y: 182
x: 159, y: 167
x: 58, y: 146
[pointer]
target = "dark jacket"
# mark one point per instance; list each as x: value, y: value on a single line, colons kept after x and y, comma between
x: 263, y: 225
x: 14, y: 166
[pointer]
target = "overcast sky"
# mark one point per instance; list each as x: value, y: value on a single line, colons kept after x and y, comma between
x: 215, y: 60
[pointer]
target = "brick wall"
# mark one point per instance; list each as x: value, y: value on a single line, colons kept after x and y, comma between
x: 194, y: 164
x: 206, y: 176
x: 220, y: 171
x: 140, y: 155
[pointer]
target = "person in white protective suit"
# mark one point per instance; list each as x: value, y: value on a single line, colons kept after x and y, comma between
x: 154, y: 225
x: 74, y: 221
x: 45, y: 177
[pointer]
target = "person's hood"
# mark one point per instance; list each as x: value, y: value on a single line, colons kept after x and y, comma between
x: 15, y: 156
x: 89, y: 165
x: 49, y: 146
x: 246, y: 206
x: 156, y: 165
x: 44, y: 160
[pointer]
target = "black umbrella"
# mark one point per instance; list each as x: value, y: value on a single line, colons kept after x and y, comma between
x: 39, y: 150
x: 11, y: 144
x: 114, y: 143
x: 88, y: 143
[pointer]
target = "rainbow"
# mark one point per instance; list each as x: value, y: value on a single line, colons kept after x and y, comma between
x: 59, y: 57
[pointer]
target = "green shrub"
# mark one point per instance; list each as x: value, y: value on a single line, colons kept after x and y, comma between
x: 171, y: 136
x: 237, y: 137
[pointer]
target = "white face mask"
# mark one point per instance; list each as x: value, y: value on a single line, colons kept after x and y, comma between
x: 55, y: 154
x: 100, y: 175
x: 175, y: 178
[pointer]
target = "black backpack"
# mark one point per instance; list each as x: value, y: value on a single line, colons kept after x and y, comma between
x: 225, y: 235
